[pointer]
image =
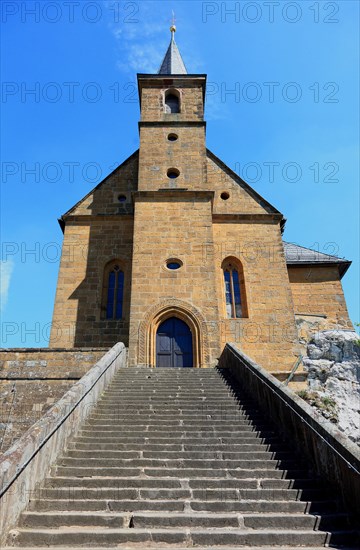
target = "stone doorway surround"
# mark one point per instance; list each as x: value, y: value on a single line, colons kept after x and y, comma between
x: 164, y: 310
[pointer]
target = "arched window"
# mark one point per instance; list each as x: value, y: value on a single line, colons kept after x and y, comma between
x: 172, y: 101
x: 114, y: 291
x: 234, y: 287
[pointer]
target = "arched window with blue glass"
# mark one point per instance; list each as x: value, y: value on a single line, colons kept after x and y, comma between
x: 113, y: 290
x: 234, y: 289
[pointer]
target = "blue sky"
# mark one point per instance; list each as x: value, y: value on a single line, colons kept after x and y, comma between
x: 282, y: 111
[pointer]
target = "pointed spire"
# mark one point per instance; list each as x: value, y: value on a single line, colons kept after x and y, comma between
x: 172, y: 62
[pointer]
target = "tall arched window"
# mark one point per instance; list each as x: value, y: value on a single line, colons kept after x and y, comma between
x: 234, y: 287
x: 172, y: 101
x: 113, y: 291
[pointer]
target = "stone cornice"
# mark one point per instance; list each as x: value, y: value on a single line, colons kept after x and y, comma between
x: 86, y: 218
x: 169, y: 123
x: 247, y: 218
x: 166, y: 193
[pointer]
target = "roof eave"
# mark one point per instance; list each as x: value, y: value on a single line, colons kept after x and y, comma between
x: 342, y: 265
x: 62, y: 223
x: 263, y: 202
x: 62, y: 219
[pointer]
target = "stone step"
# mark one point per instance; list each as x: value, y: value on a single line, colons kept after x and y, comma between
x: 173, y: 423
x: 267, y: 463
x: 170, y: 381
x: 206, y: 417
x: 200, y: 405
x: 247, y: 445
x: 232, y: 399
x: 115, y: 408
x: 126, y: 547
x: 216, y: 389
x: 186, y: 397
x: 218, y: 506
x: 193, y: 386
x: 204, y: 421
x: 186, y: 400
x: 204, y: 412
x: 186, y: 437
x: 175, y: 431
x: 250, y: 482
x: 159, y: 376
x: 185, y: 390
x: 50, y: 520
x: 258, y: 454
x: 176, y: 385
x: 255, y: 472
x: 184, y: 537
x: 181, y: 414
x: 231, y: 416
x: 155, y: 493
x: 172, y: 458
x: 170, y: 401
x: 113, y: 482
x: 151, y: 520
x: 157, y: 436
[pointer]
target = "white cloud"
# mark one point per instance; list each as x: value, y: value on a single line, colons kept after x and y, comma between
x: 141, y: 41
x: 6, y: 269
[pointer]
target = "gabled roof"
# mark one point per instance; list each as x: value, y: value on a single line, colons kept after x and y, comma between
x: 299, y: 255
x: 256, y: 196
x: 172, y: 62
x: 71, y: 210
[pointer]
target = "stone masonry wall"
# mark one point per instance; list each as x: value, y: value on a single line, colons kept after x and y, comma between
x: 318, y: 290
x: 32, y: 380
x: 98, y: 229
x: 79, y: 312
x: 157, y: 154
x: 319, y: 301
x: 169, y: 225
x: 191, y: 101
x: 268, y: 335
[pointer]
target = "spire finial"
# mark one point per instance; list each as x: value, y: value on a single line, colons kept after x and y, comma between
x: 172, y: 62
x: 173, y: 27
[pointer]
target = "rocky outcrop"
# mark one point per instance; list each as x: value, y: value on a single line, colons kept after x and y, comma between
x: 333, y: 366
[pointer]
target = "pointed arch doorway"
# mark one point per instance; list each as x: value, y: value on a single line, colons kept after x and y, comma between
x: 174, y: 345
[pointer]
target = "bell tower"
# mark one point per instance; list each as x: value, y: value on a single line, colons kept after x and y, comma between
x: 173, y: 275
x: 172, y: 126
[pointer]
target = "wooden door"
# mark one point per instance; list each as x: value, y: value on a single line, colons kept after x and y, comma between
x: 174, y: 347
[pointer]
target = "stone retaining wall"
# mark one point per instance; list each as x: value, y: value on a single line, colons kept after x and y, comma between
x: 332, y: 455
x: 32, y: 380
x: 25, y: 465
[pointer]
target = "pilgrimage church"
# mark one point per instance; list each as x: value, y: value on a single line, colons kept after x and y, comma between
x: 174, y: 255
x: 175, y: 261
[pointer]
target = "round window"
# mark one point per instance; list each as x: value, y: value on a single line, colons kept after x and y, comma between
x: 172, y: 137
x: 173, y: 173
x: 173, y: 264
x: 224, y: 196
x: 122, y: 198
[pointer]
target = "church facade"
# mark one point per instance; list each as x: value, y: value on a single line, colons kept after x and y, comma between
x: 175, y: 255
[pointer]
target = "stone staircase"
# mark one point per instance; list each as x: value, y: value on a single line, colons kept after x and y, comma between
x: 175, y: 458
